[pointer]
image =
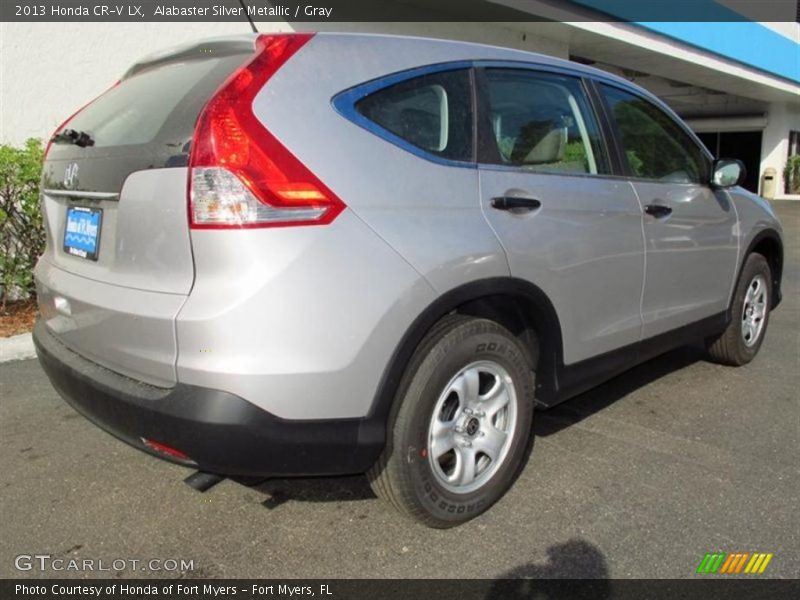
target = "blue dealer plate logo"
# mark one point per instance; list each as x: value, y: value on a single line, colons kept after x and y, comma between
x: 82, y: 232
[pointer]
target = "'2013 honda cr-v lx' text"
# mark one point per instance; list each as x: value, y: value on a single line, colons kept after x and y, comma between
x: 326, y: 254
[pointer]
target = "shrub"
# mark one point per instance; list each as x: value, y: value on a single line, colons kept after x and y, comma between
x: 21, y: 232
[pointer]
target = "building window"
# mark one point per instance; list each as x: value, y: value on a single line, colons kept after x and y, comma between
x: 791, y: 178
x: 794, y: 143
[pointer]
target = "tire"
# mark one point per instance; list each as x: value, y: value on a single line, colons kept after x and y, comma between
x: 741, y: 340
x: 461, y: 362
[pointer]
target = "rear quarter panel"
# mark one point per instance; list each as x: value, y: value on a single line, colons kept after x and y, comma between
x: 300, y: 321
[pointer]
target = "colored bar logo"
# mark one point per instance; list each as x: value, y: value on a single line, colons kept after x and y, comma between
x: 734, y: 563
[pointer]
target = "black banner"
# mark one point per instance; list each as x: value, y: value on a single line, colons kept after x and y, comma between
x: 731, y: 588
x: 396, y: 10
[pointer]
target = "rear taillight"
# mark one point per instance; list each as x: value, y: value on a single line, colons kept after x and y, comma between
x: 72, y: 116
x: 240, y: 174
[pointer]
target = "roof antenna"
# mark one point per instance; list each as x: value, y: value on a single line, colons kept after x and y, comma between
x: 252, y: 25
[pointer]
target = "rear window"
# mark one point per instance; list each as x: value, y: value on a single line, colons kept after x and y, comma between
x: 432, y: 113
x: 136, y: 110
x: 156, y: 108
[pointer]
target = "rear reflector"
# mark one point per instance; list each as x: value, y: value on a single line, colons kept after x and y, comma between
x: 166, y: 450
x: 240, y: 174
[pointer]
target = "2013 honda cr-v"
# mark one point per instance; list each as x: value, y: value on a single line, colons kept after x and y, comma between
x: 325, y: 254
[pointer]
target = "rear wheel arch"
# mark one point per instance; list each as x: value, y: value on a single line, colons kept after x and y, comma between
x: 519, y: 306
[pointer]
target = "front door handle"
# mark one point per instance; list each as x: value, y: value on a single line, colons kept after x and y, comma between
x: 515, y: 203
x: 658, y: 211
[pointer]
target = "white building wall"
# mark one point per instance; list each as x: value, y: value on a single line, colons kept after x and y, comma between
x: 49, y: 70
x: 781, y: 119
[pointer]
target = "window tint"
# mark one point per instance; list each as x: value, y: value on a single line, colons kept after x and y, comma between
x: 432, y: 112
x: 542, y: 122
x: 148, y: 104
x: 655, y: 145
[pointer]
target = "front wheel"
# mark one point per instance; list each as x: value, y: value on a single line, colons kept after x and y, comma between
x: 462, y: 423
x: 741, y: 340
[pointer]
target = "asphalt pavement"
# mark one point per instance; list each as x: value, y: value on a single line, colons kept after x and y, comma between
x: 640, y: 477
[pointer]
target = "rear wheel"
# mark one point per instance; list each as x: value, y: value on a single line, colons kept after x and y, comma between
x: 462, y: 423
x: 741, y: 340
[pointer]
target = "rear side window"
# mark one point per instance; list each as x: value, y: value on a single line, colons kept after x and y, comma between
x: 432, y: 112
x: 655, y: 146
x: 541, y: 122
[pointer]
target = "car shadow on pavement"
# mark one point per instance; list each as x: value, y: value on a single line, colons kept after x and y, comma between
x: 574, y: 559
x: 576, y: 409
x: 314, y: 489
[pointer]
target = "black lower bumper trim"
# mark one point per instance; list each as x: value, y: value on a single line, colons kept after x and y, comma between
x: 220, y: 432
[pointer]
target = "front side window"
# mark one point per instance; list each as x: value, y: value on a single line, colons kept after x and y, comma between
x: 542, y: 122
x: 432, y: 112
x: 655, y: 145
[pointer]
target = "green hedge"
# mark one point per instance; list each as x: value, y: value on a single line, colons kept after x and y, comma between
x: 21, y: 232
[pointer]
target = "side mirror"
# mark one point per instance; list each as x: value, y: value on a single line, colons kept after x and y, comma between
x: 728, y: 172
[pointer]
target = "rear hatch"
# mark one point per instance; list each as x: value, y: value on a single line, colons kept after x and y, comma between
x: 118, y: 263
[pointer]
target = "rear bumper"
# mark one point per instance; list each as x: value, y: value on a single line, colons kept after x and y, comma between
x: 220, y: 432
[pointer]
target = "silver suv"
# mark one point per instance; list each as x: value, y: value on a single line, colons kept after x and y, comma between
x: 325, y: 254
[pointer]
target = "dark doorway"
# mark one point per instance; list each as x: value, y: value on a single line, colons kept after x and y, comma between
x: 744, y: 145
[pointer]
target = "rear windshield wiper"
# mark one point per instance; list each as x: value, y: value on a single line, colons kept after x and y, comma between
x: 71, y: 136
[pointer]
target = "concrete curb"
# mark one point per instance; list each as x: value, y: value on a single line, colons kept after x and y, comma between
x: 17, y: 347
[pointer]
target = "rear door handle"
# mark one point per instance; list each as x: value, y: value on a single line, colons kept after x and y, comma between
x: 515, y: 203
x: 658, y: 210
